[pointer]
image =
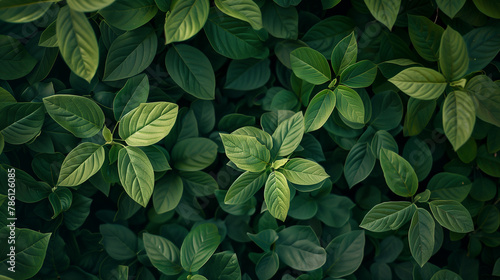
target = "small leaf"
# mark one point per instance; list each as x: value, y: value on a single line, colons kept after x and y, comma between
x: 459, y: 117
x: 310, y: 65
x: 350, y: 105
x: 80, y: 164
x: 359, y: 75
x: 359, y: 163
x: 420, y: 82
x: 127, y: 15
x: 277, y: 195
x: 398, y: 173
x: 198, y: 246
x: 452, y: 215
x: 304, y: 172
x: 135, y: 92
x: 421, y: 236
x: 288, y: 134
x: 136, y: 174
x: 60, y: 200
x: 486, y: 96
x: 119, y: 241
x: 388, y: 216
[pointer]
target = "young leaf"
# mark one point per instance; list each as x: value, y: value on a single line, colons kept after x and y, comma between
x: 425, y: 36
x: 277, y: 195
x: 453, y: 56
x: 319, y: 110
x: 60, y: 200
x: 78, y: 43
x: 288, y: 134
x: 80, y: 164
x: 359, y: 75
x: 20, y: 122
x: 244, y: 187
x: 344, y: 54
x: 246, y: 152
x: 162, y: 253
x: 344, y: 254
x: 398, y: 173
x: 388, y: 216
x: 359, y: 163
x: 420, y: 82
x: 459, y: 117
x: 298, y: 247
x: 385, y: 11
x: 198, y: 246
x: 222, y: 265
x: 452, y: 215
x: 310, y: 65
x: 263, y: 137
x: 245, y: 10
x: 127, y: 15
x: 421, y: 236
x: 136, y: 174
x: 325, y: 34
x: 304, y: 172
x: 350, y: 105
x: 185, y: 19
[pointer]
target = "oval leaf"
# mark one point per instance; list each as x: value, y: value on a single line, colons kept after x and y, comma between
x: 459, y: 118
x: 80, y: 164
x: 198, y: 246
x: 398, y: 173
x: 136, y: 174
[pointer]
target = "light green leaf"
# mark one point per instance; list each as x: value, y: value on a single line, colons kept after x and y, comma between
x: 385, y: 11
x: 130, y: 53
x: 344, y: 254
x: 20, y: 122
x: 452, y: 215
x: 359, y: 163
x: 288, y: 134
x: 349, y: 104
x: 453, y: 56
x: 246, y: 152
x: 263, y: 137
x: 244, y: 187
x: 119, y: 241
x: 194, y: 154
x: 80, y: 164
x: 89, y: 5
x: 245, y: 10
x: 78, y: 43
x: 420, y: 82
x: 277, y: 195
x: 199, y: 245
x: 191, y: 70
x: 450, y: 7
x: 304, y: 172
x: 23, y: 11
x: 359, y: 75
x: 486, y: 96
x: 185, y: 19
x: 129, y: 15
x: 344, y: 54
x: 167, y: 193
x: 148, y: 123
x: 162, y: 253
x: 459, y: 117
x: 388, y: 216
x: 299, y: 248
x: 425, y: 36
x: 136, y: 174
x: 79, y: 115
x: 421, y: 236
x: 247, y: 74
x: 398, y: 173
x: 319, y: 110
x: 15, y: 60
x: 280, y: 22
x: 310, y: 65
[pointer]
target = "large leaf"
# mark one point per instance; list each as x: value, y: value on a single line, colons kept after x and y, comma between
x: 136, y: 174
x: 246, y: 152
x: 359, y: 75
x: 450, y: 7
x: 199, y: 245
x: 20, y: 122
x: 453, y: 56
x: 244, y: 187
x: 425, y: 36
x: 304, y: 172
x: 388, y: 216
x: 420, y: 82
x: 298, y: 247
x: 135, y: 92
x: 29, y: 254
x: 344, y: 254
x: 344, y: 54
x: 79, y: 115
x: 80, y: 164
x: 88, y: 5
x: 288, y: 134
x: 486, y: 96
x: 459, y: 117
x: 280, y: 22
x: 185, y: 19
x: 130, y: 53
x: 78, y: 43
x: 350, y: 105
x: 246, y: 10
x: 421, y: 236
x: 129, y: 15
x: 398, y: 173
x: 162, y: 253
x: 359, y: 163
x: 148, y: 123
x: 194, y: 154
x: 16, y: 61
x: 385, y: 11
x: 319, y: 110
x: 191, y: 70
x: 452, y: 215
x: 277, y: 195
x: 119, y: 241
x: 310, y: 65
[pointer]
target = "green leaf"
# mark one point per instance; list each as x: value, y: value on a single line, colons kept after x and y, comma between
x: 267, y: 266
x: 27, y: 189
x: 450, y: 7
x: 194, y: 154
x: 199, y: 183
x: 244, y: 187
x: 304, y: 172
x: 459, y: 117
x: 491, y: 9
x: 246, y: 152
x: 148, y: 123
x: 30, y: 251
x: 446, y: 274
x: 418, y: 114
x: 24, y: 11
x: 359, y: 75
x: 78, y: 212
x: 483, y: 45
x: 452, y: 215
x: 359, y: 163
x: 334, y: 210
x: 185, y: 19
x: 344, y: 254
x: 16, y: 61
x: 80, y: 164
x: 136, y: 174
x: 420, y: 82
x: 350, y: 105
x: 388, y: 216
x: 222, y: 266
x: 385, y: 11
x: 280, y: 22
x: 119, y: 241
x: 383, y: 140
x: 129, y: 15
x: 247, y: 74
x: 162, y: 253
x: 167, y: 193
x: 398, y: 173
x: 449, y: 186
x: 78, y: 43
x: 20, y: 122
x: 425, y: 36
x: 79, y: 115
x: 319, y: 110
x: 486, y: 96
x: 488, y: 163
x: 135, y: 92
x: 191, y: 70
x: 344, y: 54
x: 199, y: 245
x: 264, y: 239
x: 453, y: 56
x: 245, y: 10
x: 60, y: 200
x: 324, y: 35
x: 421, y: 236
x: 288, y: 134
x: 130, y: 53
x: 310, y: 65
x: 277, y: 195
x: 298, y: 247
x: 89, y: 5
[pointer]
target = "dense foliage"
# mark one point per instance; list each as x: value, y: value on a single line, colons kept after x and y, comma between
x: 249, y: 139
